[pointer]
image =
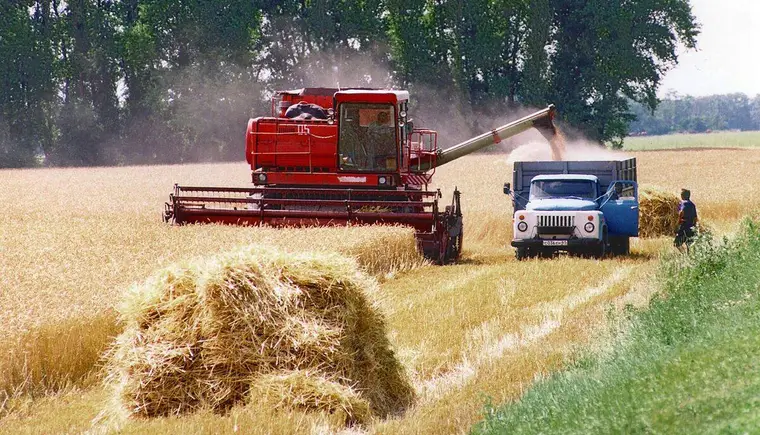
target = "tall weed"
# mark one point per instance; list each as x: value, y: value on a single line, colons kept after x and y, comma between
x: 695, y: 338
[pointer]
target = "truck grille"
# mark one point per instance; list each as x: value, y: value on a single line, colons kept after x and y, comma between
x: 556, y: 221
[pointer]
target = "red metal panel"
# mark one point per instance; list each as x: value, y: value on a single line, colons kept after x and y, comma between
x: 420, y: 221
x: 324, y: 179
x: 300, y: 145
x: 250, y: 142
x: 259, y: 189
x: 368, y: 97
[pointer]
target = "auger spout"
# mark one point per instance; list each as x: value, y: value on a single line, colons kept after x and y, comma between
x: 541, y: 120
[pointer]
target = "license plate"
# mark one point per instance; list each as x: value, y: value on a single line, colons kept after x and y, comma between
x: 555, y: 242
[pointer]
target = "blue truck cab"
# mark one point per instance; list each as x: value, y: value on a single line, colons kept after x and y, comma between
x: 588, y: 208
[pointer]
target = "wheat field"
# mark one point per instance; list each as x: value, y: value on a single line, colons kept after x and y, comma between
x: 717, y: 139
x: 73, y: 240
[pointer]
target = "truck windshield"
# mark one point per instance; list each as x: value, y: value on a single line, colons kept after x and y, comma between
x: 581, y: 189
x: 367, y: 137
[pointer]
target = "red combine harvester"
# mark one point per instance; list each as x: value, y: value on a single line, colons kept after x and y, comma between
x: 344, y: 156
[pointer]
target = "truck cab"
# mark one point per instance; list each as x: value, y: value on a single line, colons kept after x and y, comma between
x: 561, y: 210
x: 563, y: 192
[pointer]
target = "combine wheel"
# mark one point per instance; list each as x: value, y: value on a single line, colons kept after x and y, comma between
x: 528, y: 253
x: 452, y: 247
x: 452, y: 235
x: 457, y: 246
x: 443, y: 248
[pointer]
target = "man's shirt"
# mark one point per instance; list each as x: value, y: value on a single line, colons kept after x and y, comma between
x: 688, y: 212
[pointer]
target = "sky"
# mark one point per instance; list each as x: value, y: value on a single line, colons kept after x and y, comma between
x: 727, y: 58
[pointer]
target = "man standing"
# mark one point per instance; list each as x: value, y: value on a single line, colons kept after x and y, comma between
x: 687, y: 221
x: 382, y: 141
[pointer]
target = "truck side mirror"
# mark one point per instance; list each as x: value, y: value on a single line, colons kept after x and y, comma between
x: 507, y: 189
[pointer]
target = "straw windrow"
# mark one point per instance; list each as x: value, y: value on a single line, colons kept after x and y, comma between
x: 200, y: 335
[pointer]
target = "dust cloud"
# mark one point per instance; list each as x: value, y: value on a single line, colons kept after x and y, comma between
x: 206, y: 109
x: 536, y: 148
x: 457, y: 120
x: 217, y: 110
x: 340, y: 68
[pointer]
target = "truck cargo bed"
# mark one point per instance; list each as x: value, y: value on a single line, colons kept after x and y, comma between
x: 606, y: 171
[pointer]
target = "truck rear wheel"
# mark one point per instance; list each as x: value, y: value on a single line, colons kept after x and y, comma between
x: 620, y: 245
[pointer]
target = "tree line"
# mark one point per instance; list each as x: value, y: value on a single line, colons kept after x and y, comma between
x: 686, y: 114
x: 102, y: 82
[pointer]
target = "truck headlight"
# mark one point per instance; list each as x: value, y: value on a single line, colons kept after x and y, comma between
x: 589, y: 227
x: 382, y: 180
x: 262, y: 178
x: 522, y: 227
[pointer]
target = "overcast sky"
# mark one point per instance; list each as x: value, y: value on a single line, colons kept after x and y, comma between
x: 728, y: 51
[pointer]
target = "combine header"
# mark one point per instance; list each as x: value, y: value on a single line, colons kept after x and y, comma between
x: 338, y: 157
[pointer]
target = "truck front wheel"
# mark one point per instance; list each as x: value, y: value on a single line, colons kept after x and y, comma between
x: 522, y: 254
x: 602, y: 250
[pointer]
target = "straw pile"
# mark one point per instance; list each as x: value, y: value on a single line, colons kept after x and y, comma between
x: 308, y: 391
x: 658, y: 212
x: 216, y: 333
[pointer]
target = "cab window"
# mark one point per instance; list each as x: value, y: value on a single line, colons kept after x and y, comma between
x: 580, y: 189
x: 367, y: 137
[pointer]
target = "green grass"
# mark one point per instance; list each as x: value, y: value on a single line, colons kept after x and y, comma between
x: 743, y: 139
x: 690, y: 363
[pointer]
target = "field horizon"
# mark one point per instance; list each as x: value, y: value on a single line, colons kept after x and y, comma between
x: 693, y: 141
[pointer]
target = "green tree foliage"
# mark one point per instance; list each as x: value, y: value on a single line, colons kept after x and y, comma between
x: 324, y: 43
x: 698, y: 114
x: 609, y: 52
x: 188, y: 77
x: 85, y: 39
x: 92, y: 82
x: 590, y: 57
x: 27, y: 88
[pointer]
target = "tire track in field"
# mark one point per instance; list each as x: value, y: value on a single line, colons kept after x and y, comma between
x: 494, y: 349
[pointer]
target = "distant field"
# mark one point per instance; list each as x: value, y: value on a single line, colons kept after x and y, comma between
x: 743, y: 139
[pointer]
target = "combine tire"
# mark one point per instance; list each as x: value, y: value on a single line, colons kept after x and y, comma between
x: 453, y: 233
x: 455, y: 246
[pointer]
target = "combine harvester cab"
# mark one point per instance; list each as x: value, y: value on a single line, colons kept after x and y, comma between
x: 344, y: 156
x: 588, y: 208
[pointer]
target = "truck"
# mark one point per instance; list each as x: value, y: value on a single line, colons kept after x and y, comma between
x: 583, y: 208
